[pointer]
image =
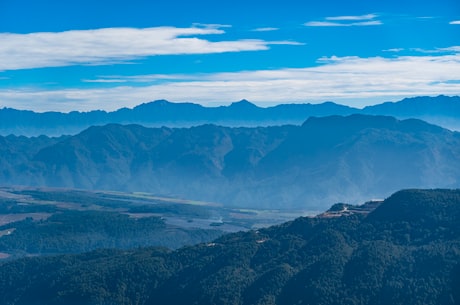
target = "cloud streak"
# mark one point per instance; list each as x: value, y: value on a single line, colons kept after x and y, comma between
x: 352, y: 18
x: 267, y: 29
x: 108, y: 45
x: 346, y: 21
x: 351, y: 80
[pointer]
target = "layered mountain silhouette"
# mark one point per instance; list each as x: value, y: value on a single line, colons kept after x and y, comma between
x: 328, y: 159
x: 404, y: 251
x: 441, y: 110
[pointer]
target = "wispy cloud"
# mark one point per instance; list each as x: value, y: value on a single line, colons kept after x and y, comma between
x: 448, y: 50
x: 352, y: 18
x: 105, y: 46
x: 336, y: 24
x: 341, y: 21
x: 455, y: 22
x: 352, y: 80
x: 149, y: 78
x: 103, y: 80
x: 210, y: 25
x: 268, y: 29
x: 324, y: 23
x: 394, y: 50
x: 286, y: 42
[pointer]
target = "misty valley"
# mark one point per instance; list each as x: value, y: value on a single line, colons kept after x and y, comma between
x: 306, y: 204
x: 45, y: 221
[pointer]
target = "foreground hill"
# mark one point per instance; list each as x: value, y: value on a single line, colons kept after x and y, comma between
x: 440, y: 110
x: 404, y: 251
x: 330, y: 159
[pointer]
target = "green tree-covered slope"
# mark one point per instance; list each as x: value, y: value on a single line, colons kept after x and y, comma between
x: 406, y: 251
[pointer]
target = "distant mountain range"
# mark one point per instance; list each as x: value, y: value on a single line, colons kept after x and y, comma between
x: 405, y: 251
x: 324, y: 160
x: 441, y: 110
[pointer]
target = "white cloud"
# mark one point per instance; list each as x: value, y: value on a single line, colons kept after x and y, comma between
x: 211, y: 25
x: 105, y: 46
x: 332, y: 24
x: 339, y: 21
x: 454, y: 49
x: 323, y: 23
x: 103, y: 80
x: 351, y: 80
x: 448, y: 50
x: 268, y: 29
x: 395, y: 50
x: 455, y: 22
x: 286, y: 42
x: 150, y: 78
x: 352, y: 18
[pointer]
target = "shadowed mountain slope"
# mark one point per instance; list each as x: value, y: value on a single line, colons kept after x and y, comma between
x: 330, y: 159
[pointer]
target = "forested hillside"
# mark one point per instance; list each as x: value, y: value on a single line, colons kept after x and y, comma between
x: 405, y: 251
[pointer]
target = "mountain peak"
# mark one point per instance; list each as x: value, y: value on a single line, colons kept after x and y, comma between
x: 160, y: 103
x: 243, y: 104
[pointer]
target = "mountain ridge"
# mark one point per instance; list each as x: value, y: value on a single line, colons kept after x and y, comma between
x: 440, y: 110
x: 326, y: 159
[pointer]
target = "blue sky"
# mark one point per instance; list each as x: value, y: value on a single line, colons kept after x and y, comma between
x: 85, y: 55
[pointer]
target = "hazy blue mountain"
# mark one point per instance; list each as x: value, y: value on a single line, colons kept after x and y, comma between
x: 162, y: 113
x: 329, y: 159
x: 18, y: 151
x: 403, y: 251
x: 441, y: 110
x: 339, y: 158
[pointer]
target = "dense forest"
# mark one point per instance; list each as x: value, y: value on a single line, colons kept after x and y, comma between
x: 81, y: 231
x: 45, y: 221
x: 405, y: 251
